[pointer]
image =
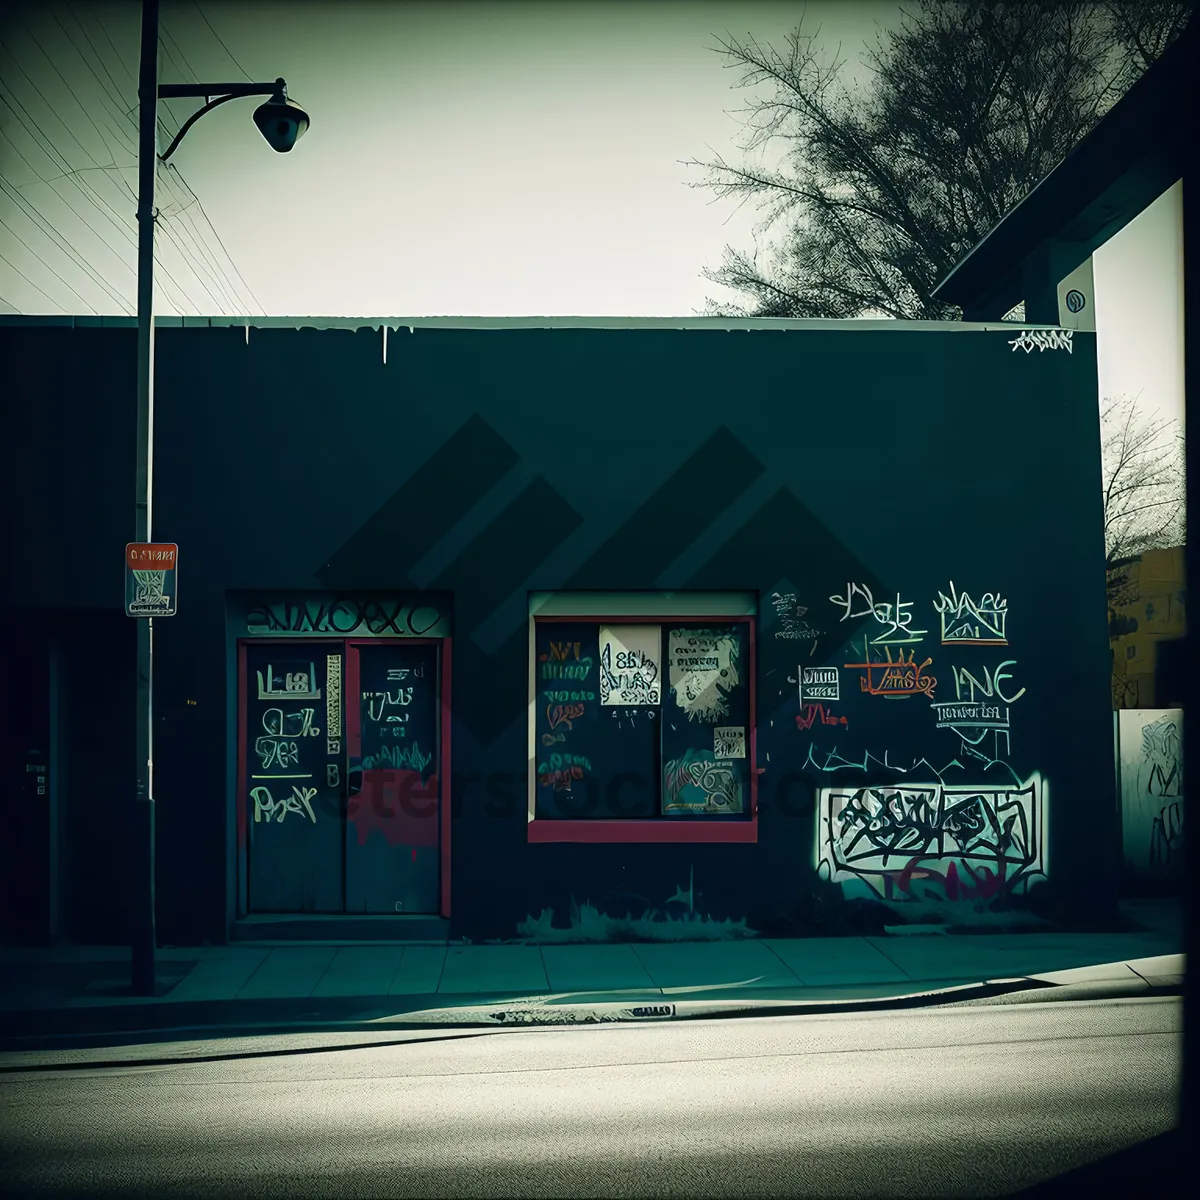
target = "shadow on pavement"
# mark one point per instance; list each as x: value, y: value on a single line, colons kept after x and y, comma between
x: 1150, y: 1166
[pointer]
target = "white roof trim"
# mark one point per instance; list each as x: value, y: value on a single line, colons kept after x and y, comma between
x: 396, y: 324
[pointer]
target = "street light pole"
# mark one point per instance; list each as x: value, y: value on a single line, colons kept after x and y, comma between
x: 282, y: 122
x: 143, y: 934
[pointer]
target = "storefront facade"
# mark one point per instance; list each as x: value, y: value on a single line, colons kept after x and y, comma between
x: 569, y: 632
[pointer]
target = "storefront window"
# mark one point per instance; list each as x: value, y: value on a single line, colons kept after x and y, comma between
x: 642, y: 718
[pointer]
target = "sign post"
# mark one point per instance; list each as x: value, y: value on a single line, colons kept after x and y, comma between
x: 150, y: 591
x: 150, y: 587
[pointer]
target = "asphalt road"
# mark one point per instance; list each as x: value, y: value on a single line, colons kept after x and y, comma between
x: 952, y: 1102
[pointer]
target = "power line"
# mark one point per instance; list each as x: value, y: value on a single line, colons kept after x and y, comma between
x: 111, y: 215
x: 174, y: 236
x: 13, y: 192
x: 70, y: 174
x: 103, y: 64
x: 44, y: 264
x: 204, y: 258
x: 223, y: 46
x: 220, y: 276
x: 188, y: 229
x: 67, y: 85
x: 163, y: 35
x: 48, y: 227
x: 47, y: 103
x: 212, y: 229
x: 83, y: 59
x: 70, y: 179
x: 30, y: 282
x: 104, y: 90
x: 116, y: 52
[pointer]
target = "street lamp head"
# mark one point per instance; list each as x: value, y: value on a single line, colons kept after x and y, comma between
x: 280, y: 120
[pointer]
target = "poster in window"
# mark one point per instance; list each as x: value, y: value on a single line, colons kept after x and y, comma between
x: 706, y: 771
x: 629, y: 665
x: 729, y: 741
x: 698, y: 783
x: 703, y: 665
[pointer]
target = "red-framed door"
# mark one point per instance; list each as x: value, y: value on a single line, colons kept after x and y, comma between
x: 343, y: 775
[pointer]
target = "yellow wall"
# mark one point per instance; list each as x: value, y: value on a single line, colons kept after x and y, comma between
x: 1154, y: 585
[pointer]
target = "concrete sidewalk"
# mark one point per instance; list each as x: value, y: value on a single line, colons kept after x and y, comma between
x: 87, y: 988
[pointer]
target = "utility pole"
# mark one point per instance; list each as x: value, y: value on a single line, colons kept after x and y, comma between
x: 282, y: 122
x: 143, y: 933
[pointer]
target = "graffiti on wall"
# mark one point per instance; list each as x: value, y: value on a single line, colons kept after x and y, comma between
x: 290, y: 685
x: 377, y: 616
x: 895, y: 618
x: 975, y: 843
x: 793, y: 623
x: 817, y: 714
x: 279, y: 745
x: 894, y: 678
x: 968, y: 622
x: 832, y: 761
x: 566, y: 687
x: 1042, y: 339
x: 269, y: 808
x: 979, y: 714
x: 1159, y: 772
x: 1166, y: 838
x: 1150, y: 743
x: 398, y: 758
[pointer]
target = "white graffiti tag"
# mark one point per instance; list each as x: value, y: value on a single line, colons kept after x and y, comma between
x: 898, y: 620
x: 267, y: 808
x: 1043, y: 339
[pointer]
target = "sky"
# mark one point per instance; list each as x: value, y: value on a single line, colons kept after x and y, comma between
x: 466, y: 157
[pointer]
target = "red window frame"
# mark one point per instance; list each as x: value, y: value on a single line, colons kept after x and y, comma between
x: 653, y: 829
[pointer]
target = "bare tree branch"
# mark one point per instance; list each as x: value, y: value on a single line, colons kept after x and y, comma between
x: 1143, y: 476
x: 870, y: 197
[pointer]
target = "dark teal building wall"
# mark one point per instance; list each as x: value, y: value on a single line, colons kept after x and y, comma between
x: 493, y: 463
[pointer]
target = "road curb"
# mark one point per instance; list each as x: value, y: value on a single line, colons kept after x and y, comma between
x: 78, y: 1028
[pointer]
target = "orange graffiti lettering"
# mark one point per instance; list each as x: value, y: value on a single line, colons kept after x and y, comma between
x: 899, y: 677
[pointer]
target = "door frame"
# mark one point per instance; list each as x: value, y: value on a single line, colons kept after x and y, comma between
x: 348, y: 674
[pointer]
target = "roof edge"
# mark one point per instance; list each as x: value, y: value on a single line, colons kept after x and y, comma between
x: 396, y: 324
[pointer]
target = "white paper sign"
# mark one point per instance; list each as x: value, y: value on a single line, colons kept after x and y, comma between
x: 729, y: 741
x: 702, y: 665
x: 629, y: 666
x: 819, y: 683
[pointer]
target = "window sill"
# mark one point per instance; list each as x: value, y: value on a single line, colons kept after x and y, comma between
x: 669, y: 829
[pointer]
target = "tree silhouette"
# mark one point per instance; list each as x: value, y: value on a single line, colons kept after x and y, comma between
x: 1145, y: 504
x: 875, y: 194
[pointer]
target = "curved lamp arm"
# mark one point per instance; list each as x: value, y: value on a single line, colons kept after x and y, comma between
x: 190, y: 122
x: 227, y: 91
